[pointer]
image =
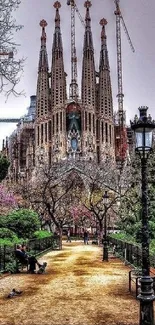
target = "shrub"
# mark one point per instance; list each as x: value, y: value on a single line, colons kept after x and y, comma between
x: 42, y: 234
x: 124, y: 237
x: 11, y: 267
x: 23, y: 222
x: 6, y: 233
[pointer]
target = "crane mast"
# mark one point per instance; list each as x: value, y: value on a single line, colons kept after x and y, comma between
x: 73, y: 91
x: 120, y: 95
x: 119, y: 20
x: 122, y: 145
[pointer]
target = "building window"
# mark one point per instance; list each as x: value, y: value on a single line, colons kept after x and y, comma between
x: 38, y: 135
x: 45, y: 132
x: 97, y: 129
x: 98, y: 154
x: 110, y: 133
x: 90, y: 122
x: 42, y: 132
x: 106, y: 132
x: 49, y: 156
x: 60, y: 121
x: 53, y: 124
x: 57, y: 122
x: 85, y: 121
x: 102, y: 130
x: 49, y: 130
x: 93, y: 124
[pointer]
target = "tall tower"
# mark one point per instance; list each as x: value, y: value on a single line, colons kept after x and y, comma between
x: 58, y: 92
x: 88, y: 91
x: 105, y: 126
x: 42, y: 103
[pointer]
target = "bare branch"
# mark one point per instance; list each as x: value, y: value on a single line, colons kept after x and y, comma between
x: 11, y: 67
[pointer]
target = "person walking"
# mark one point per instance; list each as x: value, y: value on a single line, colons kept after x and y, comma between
x: 68, y: 236
x: 86, y: 237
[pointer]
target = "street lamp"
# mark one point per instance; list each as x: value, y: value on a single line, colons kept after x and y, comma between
x: 105, y: 242
x: 143, y: 129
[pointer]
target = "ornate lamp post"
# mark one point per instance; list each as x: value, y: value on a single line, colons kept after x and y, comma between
x: 143, y: 128
x: 105, y: 242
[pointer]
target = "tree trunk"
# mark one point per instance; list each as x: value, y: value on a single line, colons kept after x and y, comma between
x: 100, y: 232
x: 60, y: 234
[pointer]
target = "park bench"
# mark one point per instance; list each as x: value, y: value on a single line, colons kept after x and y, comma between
x: 135, y: 276
x: 20, y: 264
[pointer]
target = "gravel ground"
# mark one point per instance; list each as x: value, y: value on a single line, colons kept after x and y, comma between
x: 77, y: 289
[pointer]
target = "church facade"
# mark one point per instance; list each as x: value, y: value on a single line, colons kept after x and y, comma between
x: 74, y: 129
x: 61, y: 127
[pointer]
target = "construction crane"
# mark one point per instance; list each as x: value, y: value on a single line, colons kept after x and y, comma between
x: 9, y: 54
x: 9, y: 120
x: 73, y: 91
x: 122, y: 144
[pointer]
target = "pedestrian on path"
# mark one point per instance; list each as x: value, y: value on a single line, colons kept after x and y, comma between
x: 86, y: 237
x: 68, y: 236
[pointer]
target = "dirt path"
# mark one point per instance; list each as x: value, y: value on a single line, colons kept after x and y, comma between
x: 77, y: 289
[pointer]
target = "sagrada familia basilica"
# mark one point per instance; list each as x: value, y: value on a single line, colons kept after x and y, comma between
x: 60, y: 127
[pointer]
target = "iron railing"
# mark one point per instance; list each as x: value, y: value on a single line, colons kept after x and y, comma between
x: 126, y: 251
x: 34, y: 246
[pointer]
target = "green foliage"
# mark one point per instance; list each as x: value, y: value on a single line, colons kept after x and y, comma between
x: 130, y: 209
x: 129, y: 239
x: 11, y: 242
x: 124, y: 237
x: 4, y: 165
x: 23, y: 222
x: 42, y: 234
x: 11, y: 267
x: 152, y: 246
x: 7, y: 242
x: 6, y: 233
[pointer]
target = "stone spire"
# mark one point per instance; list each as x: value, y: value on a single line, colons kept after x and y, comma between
x: 42, y: 97
x: 88, y: 90
x: 42, y: 103
x: 105, y: 92
x: 58, y: 92
x: 58, y: 78
x: 43, y: 60
x: 88, y: 66
x: 105, y: 109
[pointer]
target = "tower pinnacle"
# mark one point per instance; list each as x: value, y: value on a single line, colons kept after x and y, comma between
x: 43, y: 61
x: 104, y: 61
x: 87, y: 5
x: 57, y: 6
x: 43, y: 24
x: 103, y: 23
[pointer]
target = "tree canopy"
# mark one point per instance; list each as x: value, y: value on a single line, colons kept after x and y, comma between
x: 23, y: 222
x: 10, y: 66
x: 130, y: 208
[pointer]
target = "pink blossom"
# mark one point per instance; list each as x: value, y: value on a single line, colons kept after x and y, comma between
x: 81, y: 211
x: 7, y: 198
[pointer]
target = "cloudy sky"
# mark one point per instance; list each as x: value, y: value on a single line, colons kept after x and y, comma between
x: 138, y: 67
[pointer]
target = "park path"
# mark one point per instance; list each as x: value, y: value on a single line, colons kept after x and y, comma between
x: 77, y: 289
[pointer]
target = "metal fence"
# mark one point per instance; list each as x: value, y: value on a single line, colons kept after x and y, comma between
x: 129, y: 252
x: 34, y: 246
